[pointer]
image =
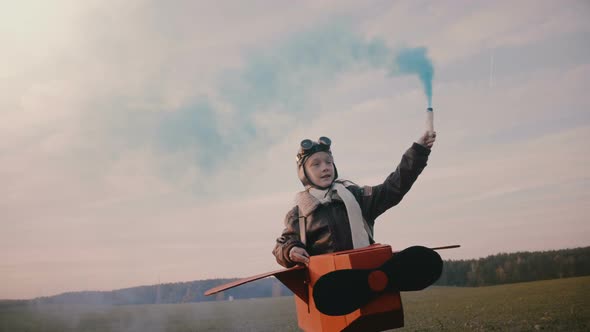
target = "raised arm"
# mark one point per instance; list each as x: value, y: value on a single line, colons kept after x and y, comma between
x: 378, y: 199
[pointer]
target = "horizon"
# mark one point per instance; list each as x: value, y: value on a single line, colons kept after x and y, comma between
x: 240, y: 277
x: 144, y: 141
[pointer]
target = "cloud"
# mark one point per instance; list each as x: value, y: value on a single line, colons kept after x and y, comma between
x: 127, y: 86
x: 277, y: 78
x: 462, y: 29
x: 145, y: 140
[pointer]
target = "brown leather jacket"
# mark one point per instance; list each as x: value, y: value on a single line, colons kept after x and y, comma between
x: 328, y: 229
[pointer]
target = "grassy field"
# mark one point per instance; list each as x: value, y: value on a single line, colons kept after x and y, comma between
x: 553, y: 305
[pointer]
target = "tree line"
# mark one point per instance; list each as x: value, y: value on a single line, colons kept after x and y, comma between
x: 508, y: 268
x: 492, y: 270
x: 166, y: 293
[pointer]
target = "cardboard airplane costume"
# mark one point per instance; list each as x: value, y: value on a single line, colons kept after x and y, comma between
x: 355, y: 290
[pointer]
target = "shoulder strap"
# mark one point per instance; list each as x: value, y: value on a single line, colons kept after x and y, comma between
x: 302, y: 228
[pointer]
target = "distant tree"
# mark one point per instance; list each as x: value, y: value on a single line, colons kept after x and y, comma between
x: 492, y: 270
x: 517, y: 267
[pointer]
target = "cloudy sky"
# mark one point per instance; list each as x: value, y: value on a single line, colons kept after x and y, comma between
x: 148, y: 140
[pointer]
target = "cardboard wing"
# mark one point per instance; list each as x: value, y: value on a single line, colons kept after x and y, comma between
x: 346, y: 306
x: 294, y: 278
x: 383, y: 312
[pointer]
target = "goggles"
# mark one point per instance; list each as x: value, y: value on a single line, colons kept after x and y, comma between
x: 309, y: 147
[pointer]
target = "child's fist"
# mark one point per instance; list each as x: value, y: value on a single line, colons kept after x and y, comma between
x: 427, y: 140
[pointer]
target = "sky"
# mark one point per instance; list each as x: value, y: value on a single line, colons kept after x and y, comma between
x: 148, y: 141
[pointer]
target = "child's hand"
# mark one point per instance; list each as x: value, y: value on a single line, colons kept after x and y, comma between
x: 427, y: 140
x: 299, y: 255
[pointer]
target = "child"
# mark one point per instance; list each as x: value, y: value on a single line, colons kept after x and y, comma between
x: 334, y: 215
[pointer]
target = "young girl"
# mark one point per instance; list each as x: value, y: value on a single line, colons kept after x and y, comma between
x: 334, y: 215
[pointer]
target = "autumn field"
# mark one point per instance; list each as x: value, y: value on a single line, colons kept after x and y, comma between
x: 552, y: 305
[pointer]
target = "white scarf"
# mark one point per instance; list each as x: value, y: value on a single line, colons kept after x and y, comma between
x: 308, y: 200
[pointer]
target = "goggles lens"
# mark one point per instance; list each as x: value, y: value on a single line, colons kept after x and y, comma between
x: 325, y: 141
x: 309, y: 147
x: 306, y: 144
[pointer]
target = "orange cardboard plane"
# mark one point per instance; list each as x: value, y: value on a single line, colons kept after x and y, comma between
x: 354, y: 290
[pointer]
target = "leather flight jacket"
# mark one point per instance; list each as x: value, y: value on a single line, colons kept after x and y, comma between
x: 328, y: 228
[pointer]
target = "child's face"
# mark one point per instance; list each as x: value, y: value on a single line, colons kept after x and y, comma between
x: 320, y: 169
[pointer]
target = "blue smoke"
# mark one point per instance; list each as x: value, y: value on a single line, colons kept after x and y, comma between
x: 295, y: 66
x: 415, y: 61
x: 194, y: 130
x: 281, y: 77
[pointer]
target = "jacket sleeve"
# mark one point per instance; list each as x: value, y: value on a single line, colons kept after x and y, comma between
x: 378, y: 199
x: 289, y: 238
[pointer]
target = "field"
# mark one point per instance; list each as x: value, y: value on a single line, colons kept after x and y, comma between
x: 552, y: 305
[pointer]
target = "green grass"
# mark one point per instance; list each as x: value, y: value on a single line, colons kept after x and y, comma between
x: 553, y: 305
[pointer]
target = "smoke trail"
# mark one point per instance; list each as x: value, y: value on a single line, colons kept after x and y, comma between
x: 280, y: 78
x: 415, y: 61
x: 285, y: 73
